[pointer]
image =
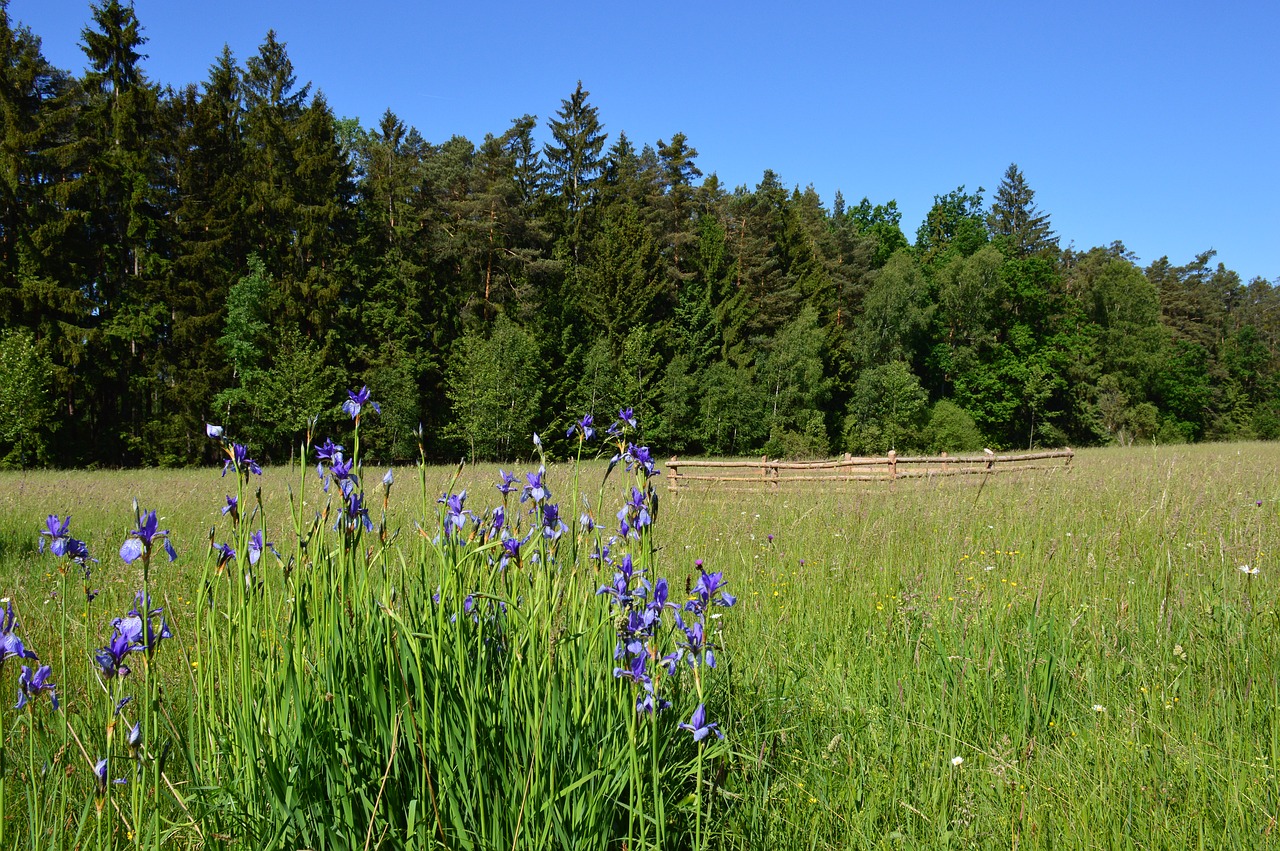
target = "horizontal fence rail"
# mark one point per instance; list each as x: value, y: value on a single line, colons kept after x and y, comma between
x: 853, y: 469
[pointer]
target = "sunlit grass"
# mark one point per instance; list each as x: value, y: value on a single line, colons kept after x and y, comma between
x: 1084, y: 641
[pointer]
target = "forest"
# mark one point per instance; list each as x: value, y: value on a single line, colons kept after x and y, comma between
x: 234, y: 252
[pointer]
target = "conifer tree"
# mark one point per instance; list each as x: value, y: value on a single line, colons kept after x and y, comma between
x: 574, y: 164
x: 125, y: 227
x: 1015, y: 219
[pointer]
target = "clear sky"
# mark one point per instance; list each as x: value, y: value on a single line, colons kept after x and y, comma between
x: 1153, y: 123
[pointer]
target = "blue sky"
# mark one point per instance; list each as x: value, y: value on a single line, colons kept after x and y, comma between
x: 1153, y: 123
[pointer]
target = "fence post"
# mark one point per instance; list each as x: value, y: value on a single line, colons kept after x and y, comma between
x: 673, y: 467
x: 893, y: 465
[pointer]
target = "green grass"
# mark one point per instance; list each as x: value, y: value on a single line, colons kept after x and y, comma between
x: 885, y: 631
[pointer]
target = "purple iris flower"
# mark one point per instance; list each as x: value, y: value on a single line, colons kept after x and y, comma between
x: 78, y: 551
x: 238, y: 459
x: 225, y: 554
x: 634, y: 515
x: 356, y: 402
x: 232, y: 507
x: 699, y: 727
x: 142, y: 538
x: 342, y: 471
x: 126, y: 638
x: 135, y: 736
x: 388, y: 480
x: 648, y: 702
x: 100, y: 772
x: 357, y: 512
x: 506, y: 483
x: 510, y: 551
x: 552, y: 526
x: 256, y: 546
x: 328, y: 450
x: 10, y: 644
x: 455, y: 514
x: 708, y: 591
x: 626, y: 417
x: 499, y: 521
x: 660, y: 593
x: 534, y: 488
x: 635, y: 670
x: 30, y: 685
x: 620, y: 589
x: 58, y: 531
x: 638, y: 457
x: 695, y: 644
x: 137, y: 630
x: 213, y: 432
x: 583, y: 427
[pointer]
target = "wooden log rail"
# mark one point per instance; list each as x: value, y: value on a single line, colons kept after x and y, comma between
x: 851, y: 469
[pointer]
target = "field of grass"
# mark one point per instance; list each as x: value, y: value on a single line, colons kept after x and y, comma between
x: 1065, y: 659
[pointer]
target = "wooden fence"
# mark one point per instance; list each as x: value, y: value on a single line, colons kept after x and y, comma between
x: 851, y: 469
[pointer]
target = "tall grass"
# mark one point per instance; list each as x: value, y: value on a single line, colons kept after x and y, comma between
x: 458, y: 682
x: 1040, y: 660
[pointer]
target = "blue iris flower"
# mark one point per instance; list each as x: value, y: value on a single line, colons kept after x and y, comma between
x: 238, y: 459
x: 534, y: 488
x: 583, y: 427
x: 455, y: 514
x: 328, y: 450
x: 31, y: 685
x: 58, y: 532
x: 552, y: 526
x: 141, y: 539
x: 699, y: 727
x: 357, y: 401
x: 256, y: 546
x: 10, y: 644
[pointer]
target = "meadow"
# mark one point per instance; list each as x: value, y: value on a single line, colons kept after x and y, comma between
x: 1079, y: 659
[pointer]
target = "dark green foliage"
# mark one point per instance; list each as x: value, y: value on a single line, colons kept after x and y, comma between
x: 494, y: 388
x: 888, y: 411
x: 950, y: 429
x: 28, y: 412
x: 236, y: 252
x: 955, y: 224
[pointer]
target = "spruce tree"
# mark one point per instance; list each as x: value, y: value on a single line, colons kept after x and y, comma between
x: 1015, y: 220
x: 574, y: 164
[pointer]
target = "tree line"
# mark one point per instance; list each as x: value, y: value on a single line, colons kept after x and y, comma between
x: 234, y: 252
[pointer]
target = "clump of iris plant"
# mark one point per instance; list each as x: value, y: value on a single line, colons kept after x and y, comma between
x: 136, y: 632
x: 639, y: 606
